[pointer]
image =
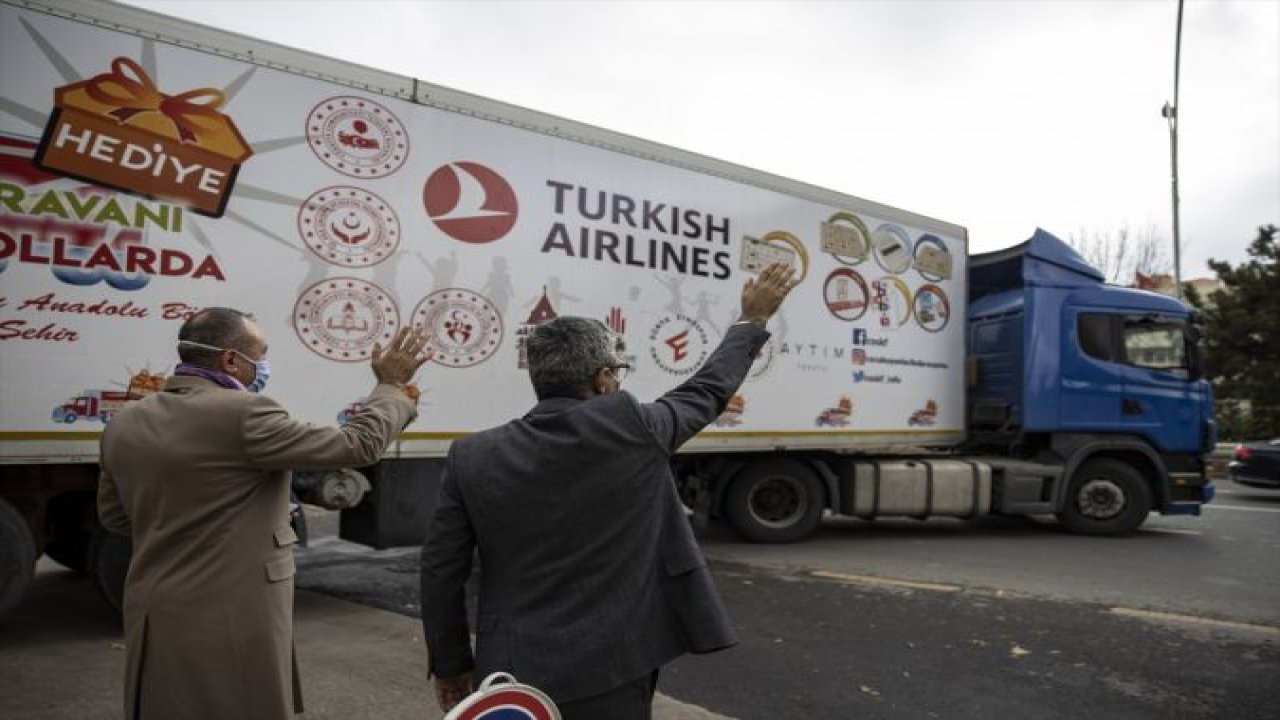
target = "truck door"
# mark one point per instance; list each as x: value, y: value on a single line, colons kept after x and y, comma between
x: 1091, y: 381
x: 1160, y: 401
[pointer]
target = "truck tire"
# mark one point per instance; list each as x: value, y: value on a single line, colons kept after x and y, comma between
x: 17, y: 557
x: 109, y: 564
x: 1106, y: 497
x: 778, y: 500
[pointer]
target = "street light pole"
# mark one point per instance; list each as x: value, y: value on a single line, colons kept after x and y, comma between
x: 1170, y: 113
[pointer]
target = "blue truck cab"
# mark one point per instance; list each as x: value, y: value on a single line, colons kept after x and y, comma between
x: 1098, y: 388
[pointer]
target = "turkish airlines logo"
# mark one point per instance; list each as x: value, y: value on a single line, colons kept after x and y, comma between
x: 470, y: 202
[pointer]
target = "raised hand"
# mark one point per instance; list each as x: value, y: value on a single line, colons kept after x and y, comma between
x: 404, y: 355
x: 762, y: 295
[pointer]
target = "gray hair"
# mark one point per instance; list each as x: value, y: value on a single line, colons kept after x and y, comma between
x: 215, y: 327
x: 565, y: 354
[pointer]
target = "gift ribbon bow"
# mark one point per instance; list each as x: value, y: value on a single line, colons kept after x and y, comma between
x: 131, y: 92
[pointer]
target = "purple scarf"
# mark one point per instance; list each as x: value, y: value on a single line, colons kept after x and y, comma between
x: 209, y: 374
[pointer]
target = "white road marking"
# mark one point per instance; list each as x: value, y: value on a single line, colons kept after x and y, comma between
x: 872, y: 580
x: 1173, y: 531
x: 1153, y: 615
x: 667, y: 706
x: 1241, y: 507
x: 1195, y: 620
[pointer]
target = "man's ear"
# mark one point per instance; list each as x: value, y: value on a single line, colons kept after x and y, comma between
x: 229, y: 362
x: 600, y: 382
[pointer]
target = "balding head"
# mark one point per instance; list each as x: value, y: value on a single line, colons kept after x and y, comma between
x: 216, y: 327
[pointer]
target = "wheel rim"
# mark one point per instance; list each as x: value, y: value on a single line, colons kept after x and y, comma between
x: 1100, y: 499
x: 777, y: 502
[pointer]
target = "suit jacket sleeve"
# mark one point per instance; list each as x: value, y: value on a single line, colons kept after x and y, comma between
x: 274, y: 440
x: 446, y: 565
x: 686, y: 410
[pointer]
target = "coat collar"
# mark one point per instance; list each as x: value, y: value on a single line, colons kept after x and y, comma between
x: 551, y: 406
x: 188, y: 383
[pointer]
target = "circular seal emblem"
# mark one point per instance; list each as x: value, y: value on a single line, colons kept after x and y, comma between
x: 678, y: 344
x: 349, y: 227
x: 470, y: 202
x: 932, y: 259
x: 845, y: 294
x: 357, y: 137
x: 892, y: 248
x: 782, y: 238
x: 931, y: 308
x: 464, y: 327
x: 341, y: 318
x: 846, y: 237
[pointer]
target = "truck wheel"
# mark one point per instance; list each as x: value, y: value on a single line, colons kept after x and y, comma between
x: 1106, y: 497
x: 775, y: 501
x: 70, y: 417
x: 17, y: 557
x: 109, y: 564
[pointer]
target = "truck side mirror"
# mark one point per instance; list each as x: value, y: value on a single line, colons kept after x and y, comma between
x: 1195, y: 352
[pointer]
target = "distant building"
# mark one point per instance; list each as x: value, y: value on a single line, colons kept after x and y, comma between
x: 1163, y: 284
x: 1205, y: 286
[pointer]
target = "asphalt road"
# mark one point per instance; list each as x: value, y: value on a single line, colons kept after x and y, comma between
x: 1224, y: 564
x: 999, y: 618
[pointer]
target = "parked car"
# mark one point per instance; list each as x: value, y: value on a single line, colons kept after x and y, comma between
x: 1257, y: 464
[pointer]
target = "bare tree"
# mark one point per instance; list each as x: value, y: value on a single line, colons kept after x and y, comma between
x: 1122, y: 254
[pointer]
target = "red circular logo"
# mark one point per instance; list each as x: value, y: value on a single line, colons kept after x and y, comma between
x: 357, y: 137
x: 470, y: 202
x: 464, y: 327
x: 341, y: 318
x: 349, y: 227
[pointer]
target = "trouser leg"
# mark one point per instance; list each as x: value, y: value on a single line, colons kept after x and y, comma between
x: 631, y: 701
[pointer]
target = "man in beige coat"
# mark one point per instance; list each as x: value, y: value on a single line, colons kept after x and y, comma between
x: 198, y: 476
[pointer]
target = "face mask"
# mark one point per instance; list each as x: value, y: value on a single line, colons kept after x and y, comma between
x: 261, y: 368
x: 261, y: 373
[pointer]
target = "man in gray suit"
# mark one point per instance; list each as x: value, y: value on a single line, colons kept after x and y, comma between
x: 590, y: 577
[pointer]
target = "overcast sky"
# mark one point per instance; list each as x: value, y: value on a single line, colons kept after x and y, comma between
x: 998, y: 116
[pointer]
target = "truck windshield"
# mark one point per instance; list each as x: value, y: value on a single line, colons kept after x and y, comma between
x: 1158, y: 345
x: 1145, y: 341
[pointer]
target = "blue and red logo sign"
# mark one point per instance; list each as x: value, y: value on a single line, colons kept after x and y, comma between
x: 497, y: 700
x: 508, y: 704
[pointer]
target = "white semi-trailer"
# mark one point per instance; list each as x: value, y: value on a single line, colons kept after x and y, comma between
x: 150, y: 167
